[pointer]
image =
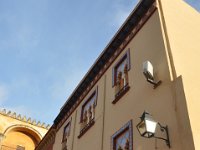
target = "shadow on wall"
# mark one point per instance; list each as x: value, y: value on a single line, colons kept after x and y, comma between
x: 185, y: 129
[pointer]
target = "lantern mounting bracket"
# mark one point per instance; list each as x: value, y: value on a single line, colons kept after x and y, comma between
x: 148, y: 72
x: 147, y: 128
x: 155, y: 84
x: 164, y: 129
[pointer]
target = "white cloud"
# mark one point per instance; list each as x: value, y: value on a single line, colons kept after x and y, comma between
x: 121, y: 12
x: 69, y: 83
x: 120, y: 17
x: 27, y: 39
x: 3, y: 93
x: 21, y: 36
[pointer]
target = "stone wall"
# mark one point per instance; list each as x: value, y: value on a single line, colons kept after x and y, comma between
x: 18, y: 131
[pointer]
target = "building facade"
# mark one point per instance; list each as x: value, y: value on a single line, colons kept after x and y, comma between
x: 18, y: 132
x: 103, y: 111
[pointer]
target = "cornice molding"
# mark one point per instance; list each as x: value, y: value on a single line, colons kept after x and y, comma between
x: 47, y: 140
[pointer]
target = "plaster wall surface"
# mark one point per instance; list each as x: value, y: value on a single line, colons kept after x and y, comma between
x: 148, y: 44
x: 182, y: 27
x: 169, y: 40
x: 18, y: 138
x: 92, y: 138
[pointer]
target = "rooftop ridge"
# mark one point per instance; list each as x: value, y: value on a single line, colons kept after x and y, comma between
x: 24, y: 118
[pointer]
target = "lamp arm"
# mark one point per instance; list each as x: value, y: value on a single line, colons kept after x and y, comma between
x: 155, y: 84
x: 160, y: 138
x: 162, y: 128
x: 151, y: 81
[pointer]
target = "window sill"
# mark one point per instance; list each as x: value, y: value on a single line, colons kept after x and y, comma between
x: 86, y: 128
x: 121, y: 93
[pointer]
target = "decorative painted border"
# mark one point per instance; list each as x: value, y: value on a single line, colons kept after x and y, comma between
x: 94, y: 93
x: 132, y: 34
x: 125, y: 56
x: 121, y: 93
x: 86, y: 128
x: 128, y: 126
x: 68, y: 125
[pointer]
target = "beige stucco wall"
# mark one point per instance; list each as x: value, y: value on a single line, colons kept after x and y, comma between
x: 14, y: 138
x: 90, y: 139
x: 148, y: 44
x: 183, y: 31
x: 165, y: 40
x: 18, y: 132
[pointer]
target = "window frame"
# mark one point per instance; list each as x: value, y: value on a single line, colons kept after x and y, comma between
x: 87, y: 101
x: 66, y: 126
x: 91, y: 123
x: 118, y: 63
x: 127, y: 127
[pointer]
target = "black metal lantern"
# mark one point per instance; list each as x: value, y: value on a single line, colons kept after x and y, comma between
x: 147, y: 128
x: 147, y: 125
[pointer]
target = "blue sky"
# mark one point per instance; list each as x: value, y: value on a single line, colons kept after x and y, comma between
x: 47, y: 46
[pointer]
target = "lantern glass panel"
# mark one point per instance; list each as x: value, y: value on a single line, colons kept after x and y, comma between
x: 142, y: 127
x: 150, y: 126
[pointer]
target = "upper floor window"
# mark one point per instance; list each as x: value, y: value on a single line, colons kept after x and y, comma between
x: 88, y: 113
x: 122, y: 139
x: 120, y: 75
x: 66, y: 133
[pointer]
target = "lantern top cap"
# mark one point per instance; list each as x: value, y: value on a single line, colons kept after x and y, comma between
x: 146, y: 115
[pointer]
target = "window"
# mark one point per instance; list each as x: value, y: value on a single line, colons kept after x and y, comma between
x: 88, y: 113
x: 66, y: 134
x: 122, y: 139
x: 120, y: 76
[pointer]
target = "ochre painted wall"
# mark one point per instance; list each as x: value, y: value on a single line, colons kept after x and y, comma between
x: 15, y: 138
x: 183, y: 30
x: 148, y: 44
x: 166, y: 44
x: 19, y: 132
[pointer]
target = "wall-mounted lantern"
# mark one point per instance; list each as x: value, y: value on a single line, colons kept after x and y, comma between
x: 149, y: 75
x: 147, y: 128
